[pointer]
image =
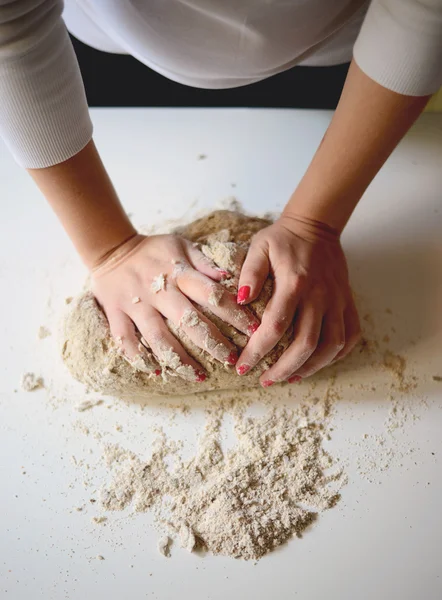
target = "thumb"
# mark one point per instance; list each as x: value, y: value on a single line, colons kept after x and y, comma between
x: 253, y: 274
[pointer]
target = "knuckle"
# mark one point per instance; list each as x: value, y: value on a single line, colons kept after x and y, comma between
x: 278, y: 325
x: 308, y: 344
x: 338, y: 343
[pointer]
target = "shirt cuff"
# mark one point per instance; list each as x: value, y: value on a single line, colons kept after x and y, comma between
x: 400, y: 45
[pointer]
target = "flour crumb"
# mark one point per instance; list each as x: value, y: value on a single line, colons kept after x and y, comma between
x: 43, y: 332
x: 187, y: 538
x: 158, y: 283
x: 68, y: 300
x: 99, y: 520
x: 136, y: 300
x: 164, y: 544
x: 437, y: 378
x: 30, y: 382
x: 87, y: 405
x: 202, y: 156
x: 100, y: 557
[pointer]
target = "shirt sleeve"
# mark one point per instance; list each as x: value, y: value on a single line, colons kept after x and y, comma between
x: 44, y: 117
x: 400, y: 45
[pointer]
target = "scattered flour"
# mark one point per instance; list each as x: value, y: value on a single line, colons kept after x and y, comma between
x: 87, y: 405
x: 243, y: 502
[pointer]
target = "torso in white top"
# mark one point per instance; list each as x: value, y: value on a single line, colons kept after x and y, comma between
x: 220, y: 43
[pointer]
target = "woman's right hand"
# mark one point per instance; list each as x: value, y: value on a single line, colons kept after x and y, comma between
x: 148, y: 279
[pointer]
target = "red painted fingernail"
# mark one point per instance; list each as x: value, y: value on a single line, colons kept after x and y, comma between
x: 267, y: 383
x: 200, y: 376
x: 252, y: 328
x: 158, y: 372
x: 243, y: 294
x: 232, y: 359
x: 242, y: 369
x: 294, y: 379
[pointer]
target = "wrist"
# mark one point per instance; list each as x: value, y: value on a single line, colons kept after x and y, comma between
x: 311, y: 230
x: 329, y: 205
x: 116, y: 255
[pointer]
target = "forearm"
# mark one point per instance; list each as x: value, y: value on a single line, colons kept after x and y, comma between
x: 368, y: 123
x: 84, y: 199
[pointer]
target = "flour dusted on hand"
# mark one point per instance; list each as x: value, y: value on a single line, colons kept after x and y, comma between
x: 94, y: 358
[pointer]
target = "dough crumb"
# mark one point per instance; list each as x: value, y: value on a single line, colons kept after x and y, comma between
x: 164, y: 544
x: 87, y: 405
x: 43, y: 332
x: 202, y: 156
x: 99, y: 520
x: 30, y: 382
x: 100, y: 557
x: 136, y: 300
x: 215, y: 295
x: 189, y: 318
x: 68, y: 300
x: 437, y: 378
x: 158, y: 283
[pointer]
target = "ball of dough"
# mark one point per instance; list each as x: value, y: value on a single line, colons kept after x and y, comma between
x: 93, y: 357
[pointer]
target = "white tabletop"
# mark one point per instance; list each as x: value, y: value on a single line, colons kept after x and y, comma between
x: 383, y: 539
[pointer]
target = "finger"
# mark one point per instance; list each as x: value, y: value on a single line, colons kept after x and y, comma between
x: 123, y: 332
x: 331, y: 342
x: 204, y: 265
x: 306, y: 337
x: 202, y: 332
x: 276, y: 319
x: 253, y: 274
x: 218, y: 300
x: 165, y: 347
x: 352, y: 330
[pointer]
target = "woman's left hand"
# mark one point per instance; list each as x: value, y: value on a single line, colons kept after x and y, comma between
x: 311, y: 291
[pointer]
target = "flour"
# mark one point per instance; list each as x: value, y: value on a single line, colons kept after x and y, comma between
x: 88, y: 404
x: 241, y: 503
x: 164, y: 546
x: 43, y: 332
x: 31, y: 382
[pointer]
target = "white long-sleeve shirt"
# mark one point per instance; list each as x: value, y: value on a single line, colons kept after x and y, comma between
x: 44, y: 117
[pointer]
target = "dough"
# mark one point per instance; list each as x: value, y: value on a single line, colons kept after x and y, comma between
x: 94, y: 358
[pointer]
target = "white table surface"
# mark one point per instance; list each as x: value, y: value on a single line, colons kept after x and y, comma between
x: 384, y: 539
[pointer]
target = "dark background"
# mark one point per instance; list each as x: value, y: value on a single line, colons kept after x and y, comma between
x: 117, y: 80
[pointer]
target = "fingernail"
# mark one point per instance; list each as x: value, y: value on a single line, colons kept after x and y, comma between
x: 224, y: 274
x: 267, y: 383
x: 232, y: 359
x: 200, y: 376
x: 294, y: 379
x: 158, y: 372
x: 252, y: 328
x: 243, y: 294
x: 242, y: 369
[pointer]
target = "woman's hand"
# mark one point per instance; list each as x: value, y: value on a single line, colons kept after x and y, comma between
x: 148, y: 279
x: 311, y: 291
